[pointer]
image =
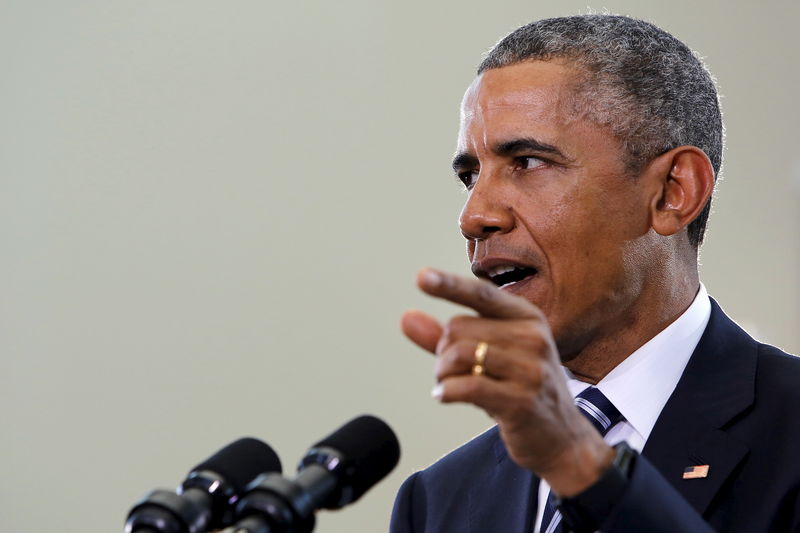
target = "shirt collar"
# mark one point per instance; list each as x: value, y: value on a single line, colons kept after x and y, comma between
x: 641, y: 384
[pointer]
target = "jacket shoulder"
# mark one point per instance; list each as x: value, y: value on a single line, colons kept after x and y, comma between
x: 433, y: 499
x: 486, y: 449
x: 777, y: 376
x: 778, y: 362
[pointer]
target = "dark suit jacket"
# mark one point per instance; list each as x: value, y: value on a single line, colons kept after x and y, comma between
x: 736, y: 408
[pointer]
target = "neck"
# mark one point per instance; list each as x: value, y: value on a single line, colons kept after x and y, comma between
x: 654, y: 309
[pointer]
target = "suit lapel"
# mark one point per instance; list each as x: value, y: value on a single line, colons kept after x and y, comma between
x: 717, y: 385
x: 504, y: 498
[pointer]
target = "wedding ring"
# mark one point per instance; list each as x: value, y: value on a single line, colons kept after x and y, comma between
x: 478, y: 368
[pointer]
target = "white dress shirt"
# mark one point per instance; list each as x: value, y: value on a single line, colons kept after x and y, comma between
x: 640, y: 386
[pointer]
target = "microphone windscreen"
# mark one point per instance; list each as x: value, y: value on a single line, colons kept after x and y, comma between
x: 241, y: 461
x: 369, y: 447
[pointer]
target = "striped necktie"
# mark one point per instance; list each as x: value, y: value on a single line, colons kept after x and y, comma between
x: 603, y: 415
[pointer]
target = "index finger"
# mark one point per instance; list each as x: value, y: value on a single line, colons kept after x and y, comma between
x: 480, y: 295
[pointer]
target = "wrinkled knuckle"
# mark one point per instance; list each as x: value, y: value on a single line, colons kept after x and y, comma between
x: 533, y: 324
x: 540, y: 343
x: 534, y: 376
x: 457, y: 324
x: 443, y: 365
x: 535, y: 341
x: 454, y: 356
x: 464, y: 354
x: 531, y: 344
x: 522, y: 329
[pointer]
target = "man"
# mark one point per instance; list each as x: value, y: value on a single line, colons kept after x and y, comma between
x: 625, y: 399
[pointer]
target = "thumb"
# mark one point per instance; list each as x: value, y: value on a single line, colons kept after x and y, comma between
x: 422, y: 329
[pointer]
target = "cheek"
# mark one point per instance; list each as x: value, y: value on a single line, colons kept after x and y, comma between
x: 581, y: 237
x: 563, y: 222
x: 546, y: 202
x: 597, y: 257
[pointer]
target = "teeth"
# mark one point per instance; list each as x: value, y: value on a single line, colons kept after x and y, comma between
x: 498, y: 270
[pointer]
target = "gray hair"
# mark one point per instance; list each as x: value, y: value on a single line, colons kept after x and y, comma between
x: 651, y: 90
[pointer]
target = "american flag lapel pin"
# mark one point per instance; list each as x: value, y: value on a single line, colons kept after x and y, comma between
x: 695, y: 472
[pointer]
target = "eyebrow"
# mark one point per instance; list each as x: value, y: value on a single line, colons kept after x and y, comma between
x: 528, y: 144
x: 464, y: 160
x: 509, y: 148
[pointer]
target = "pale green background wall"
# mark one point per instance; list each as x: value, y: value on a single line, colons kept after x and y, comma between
x: 211, y: 214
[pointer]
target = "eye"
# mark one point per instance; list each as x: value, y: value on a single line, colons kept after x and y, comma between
x: 468, y: 178
x: 527, y: 163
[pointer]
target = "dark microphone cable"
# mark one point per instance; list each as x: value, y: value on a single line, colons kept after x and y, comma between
x: 206, y: 499
x: 335, y: 472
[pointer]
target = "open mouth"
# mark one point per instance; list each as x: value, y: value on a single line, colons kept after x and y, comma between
x: 505, y: 275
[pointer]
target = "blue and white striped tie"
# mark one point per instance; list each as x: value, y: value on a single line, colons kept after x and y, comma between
x: 603, y: 415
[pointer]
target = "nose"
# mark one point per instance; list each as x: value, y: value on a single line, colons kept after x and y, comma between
x: 487, y: 211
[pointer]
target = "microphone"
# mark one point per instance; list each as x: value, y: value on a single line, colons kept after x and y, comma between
x: 206, y: 499
x: 335, y: 472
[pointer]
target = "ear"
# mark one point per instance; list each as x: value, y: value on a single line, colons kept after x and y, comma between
x: 682, y: 182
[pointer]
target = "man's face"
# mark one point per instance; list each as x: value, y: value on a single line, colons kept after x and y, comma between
x: 551, y: 214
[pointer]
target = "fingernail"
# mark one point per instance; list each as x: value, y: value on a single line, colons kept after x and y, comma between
x: 437, y: 391
x: 432, y: 278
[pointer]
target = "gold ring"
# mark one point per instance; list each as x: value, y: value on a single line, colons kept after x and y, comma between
x: 478, y: 368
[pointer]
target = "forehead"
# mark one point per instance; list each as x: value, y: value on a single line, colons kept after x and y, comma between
x: 505, y: 100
